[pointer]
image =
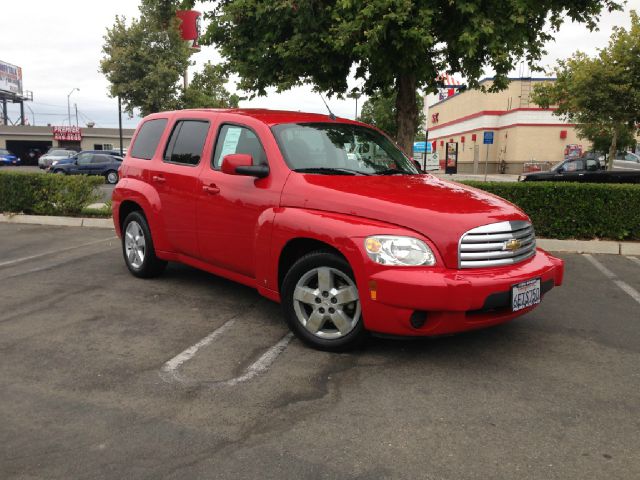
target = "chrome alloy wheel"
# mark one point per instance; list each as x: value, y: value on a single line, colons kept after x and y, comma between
x: 326, y: 303
x: 112, y: 178
x: 135, y: 244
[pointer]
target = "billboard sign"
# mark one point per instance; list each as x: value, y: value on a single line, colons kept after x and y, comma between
x: 67, y: 134
x: 10, y: 78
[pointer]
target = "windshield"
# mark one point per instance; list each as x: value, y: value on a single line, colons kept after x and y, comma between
x: 4, y: 151
x: 60, y: 153
x: 340, y: 149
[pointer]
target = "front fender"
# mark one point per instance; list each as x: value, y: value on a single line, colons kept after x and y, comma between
x: 134, y: 190
x: 345, y: 233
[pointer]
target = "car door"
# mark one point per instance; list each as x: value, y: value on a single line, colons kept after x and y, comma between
x: 176, y: 181
x: 229, y: 206
x: 99, y: 164
x: 82, y: 164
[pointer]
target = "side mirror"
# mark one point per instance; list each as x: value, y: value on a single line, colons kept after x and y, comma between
x: 242, y: 164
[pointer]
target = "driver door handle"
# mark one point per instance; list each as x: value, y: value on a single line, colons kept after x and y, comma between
x: 158, y: 179
x: 211, y: 189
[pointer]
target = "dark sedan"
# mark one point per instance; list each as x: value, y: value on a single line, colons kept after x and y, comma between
x: 587, y: 169
x: 90, y: 163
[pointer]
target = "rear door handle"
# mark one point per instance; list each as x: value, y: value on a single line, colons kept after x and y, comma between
x: 158, y: 179
x: 211, y: 189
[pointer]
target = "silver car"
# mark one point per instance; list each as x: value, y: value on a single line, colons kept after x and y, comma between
x: 626, y: 161
x: 54, y: 155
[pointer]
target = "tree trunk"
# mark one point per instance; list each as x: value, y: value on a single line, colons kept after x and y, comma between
x: 612, y: 148
x: 406, y: 111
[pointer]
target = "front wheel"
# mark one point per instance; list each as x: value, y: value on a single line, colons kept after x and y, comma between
x: 112, y: 177
x: 59, y: 172
x: 321, y: 303
x: 137, y: 247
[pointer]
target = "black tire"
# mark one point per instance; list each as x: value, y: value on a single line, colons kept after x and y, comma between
x: 150, y: 266
x: 59, y: 172
x: 298, y: 271
x: 113, y: 180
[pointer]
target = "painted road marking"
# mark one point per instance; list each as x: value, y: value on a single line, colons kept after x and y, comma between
x: 634, y: 259
x: 170, y: 368
x: 52, y: 252
x: 624, y: 286
x: 169, y: 371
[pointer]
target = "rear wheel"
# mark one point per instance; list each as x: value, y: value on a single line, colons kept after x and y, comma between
x: 112, y: 177
x: 137, y: 247
x: 321, y: 302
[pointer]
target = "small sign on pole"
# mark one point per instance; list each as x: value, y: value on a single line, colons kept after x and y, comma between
x: 487, y: 140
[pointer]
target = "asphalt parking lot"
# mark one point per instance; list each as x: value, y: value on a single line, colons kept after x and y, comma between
x: 191, y: 376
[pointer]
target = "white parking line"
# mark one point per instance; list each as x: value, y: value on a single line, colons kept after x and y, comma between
x: 172, y: 365
x: 52, y: 252
x: 624, y: 286
x: 634, y: 259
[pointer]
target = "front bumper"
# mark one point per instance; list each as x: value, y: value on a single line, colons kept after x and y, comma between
x: 450, y: 301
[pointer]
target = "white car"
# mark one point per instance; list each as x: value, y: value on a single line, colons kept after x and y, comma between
x: 54, y: 155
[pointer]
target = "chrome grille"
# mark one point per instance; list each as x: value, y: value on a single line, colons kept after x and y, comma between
x: 493, y: 245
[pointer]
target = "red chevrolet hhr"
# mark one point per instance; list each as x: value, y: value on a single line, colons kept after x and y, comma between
x: 328, y: 217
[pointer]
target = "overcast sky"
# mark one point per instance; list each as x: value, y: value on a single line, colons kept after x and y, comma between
x: 58, y: 45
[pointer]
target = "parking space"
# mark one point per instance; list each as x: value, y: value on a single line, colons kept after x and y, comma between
x: 191, y: 376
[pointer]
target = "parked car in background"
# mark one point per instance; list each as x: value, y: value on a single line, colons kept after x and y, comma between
x: 626, y: 161
x: 277, y: 201
x: 587, y: 169
x: 54, y: 154
x: 89, y: 163
x: 8, y: 158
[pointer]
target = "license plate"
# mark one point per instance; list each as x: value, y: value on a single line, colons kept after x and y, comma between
x: 525, y: 294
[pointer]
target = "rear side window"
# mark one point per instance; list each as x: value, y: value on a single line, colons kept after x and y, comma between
x: 236, y: 139
x: 148, y: 138
x: 187, y: 142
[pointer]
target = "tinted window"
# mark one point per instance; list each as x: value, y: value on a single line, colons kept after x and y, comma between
x: 187, y: 142
x: 84, y: 158
x: 148, y: 138
x: 235, y: 139
x: 101, y: 159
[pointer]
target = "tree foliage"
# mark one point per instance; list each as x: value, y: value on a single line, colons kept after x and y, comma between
x: 207, y: 90
x: 600, y: 94
x: 380, y: 110
x: 145, y: 61
x: 400, y: 45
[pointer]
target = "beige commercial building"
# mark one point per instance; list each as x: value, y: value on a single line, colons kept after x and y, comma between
x: 525, y: 136
x: 22, y: 139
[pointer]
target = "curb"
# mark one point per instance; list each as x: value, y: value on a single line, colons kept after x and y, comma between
x: 57, y: 221
x: 552, y: 245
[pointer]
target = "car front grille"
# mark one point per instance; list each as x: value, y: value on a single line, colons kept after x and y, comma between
x: 497, y: 244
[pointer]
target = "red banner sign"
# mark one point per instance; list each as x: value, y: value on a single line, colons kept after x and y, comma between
x: 190, y: 27
x: 67, y: 134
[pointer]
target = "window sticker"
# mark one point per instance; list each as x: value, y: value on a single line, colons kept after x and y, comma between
x: 231, y: 141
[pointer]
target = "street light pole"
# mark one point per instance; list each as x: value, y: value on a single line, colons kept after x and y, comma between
x: 69, y: 104
x: 120, y: 123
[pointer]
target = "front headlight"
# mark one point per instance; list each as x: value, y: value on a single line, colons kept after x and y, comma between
x: 54, y: 163
x: 403, y: 251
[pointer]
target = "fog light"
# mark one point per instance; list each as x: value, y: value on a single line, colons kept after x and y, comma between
x: 418, y: 319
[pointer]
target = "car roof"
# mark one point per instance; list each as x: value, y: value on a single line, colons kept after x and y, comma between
x: 269, y: 117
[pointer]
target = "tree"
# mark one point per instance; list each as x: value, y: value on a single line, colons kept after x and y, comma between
x: 399, y: 45
x: 380, y: 110
x: 145, y: 61
x: 600, y: 94
x: 207, y: 90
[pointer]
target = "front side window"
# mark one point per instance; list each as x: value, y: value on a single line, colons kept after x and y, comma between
x: 148, y: 138
x: 84, y: 159
x: 340, y: 149
x: 187, y: 142
x: 237, y: 139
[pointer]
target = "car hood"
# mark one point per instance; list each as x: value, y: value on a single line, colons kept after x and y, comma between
x: 440, y: 210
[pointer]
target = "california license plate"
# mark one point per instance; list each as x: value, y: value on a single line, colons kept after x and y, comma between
x: 525, y: 294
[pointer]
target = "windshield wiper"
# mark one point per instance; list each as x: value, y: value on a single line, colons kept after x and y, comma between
x: 391, y: 171
x: 330, y: 170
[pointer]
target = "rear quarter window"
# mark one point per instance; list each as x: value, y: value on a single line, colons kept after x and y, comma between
x: 148, y: 138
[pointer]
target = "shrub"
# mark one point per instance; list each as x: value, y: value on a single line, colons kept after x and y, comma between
x: 42, y: 194
x: 574, y: 210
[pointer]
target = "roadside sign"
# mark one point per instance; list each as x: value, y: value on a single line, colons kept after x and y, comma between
x: 488, y: 138
x: 421, y: 147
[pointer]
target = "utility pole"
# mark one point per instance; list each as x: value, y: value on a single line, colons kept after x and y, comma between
x: 75, y: 105
x: 69, y: 104
x: 120, y: 123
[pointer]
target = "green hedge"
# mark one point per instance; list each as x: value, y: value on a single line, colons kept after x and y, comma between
x: 45, y: 194
x: 574, y: 210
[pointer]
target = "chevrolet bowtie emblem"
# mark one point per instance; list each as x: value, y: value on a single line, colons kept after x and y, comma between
x: 512, y: 245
